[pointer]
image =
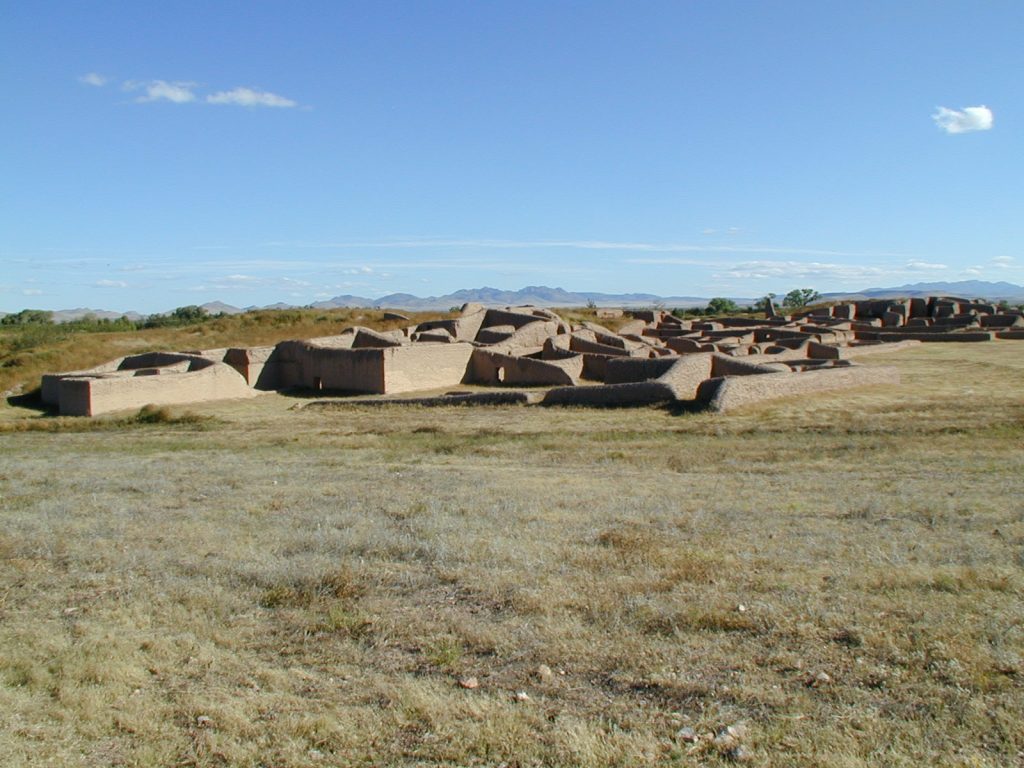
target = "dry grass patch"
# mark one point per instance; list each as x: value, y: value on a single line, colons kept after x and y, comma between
x: 841, y: 575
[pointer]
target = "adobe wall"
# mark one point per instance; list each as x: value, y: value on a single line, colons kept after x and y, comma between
x: 74, y: 396
x: 622, y: 370
x: 925, y: 336
x: 577, y: 343
x: 532, y: 335
x: 507, y: 317
x: 723, y: 365
x: 367, y: 337
x: 464, y: 328
x: 494, y: 368
x: 315, y: 367
x: 687, y: 345
x: 636, y: 393
x: 51, y: 382
x: 825, y: 352
x: 685, y: 374
x: 84, y: 396
x: 50, y: 390
x: 724, y: 394
x: 257, y: 365
x: 424, y: 366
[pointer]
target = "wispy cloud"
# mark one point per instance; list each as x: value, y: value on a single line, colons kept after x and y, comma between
x: 93, y: 78
x: 31, y: 292
x: 178, y: 92
x: 186, y: 92
x: 1002, y: 261
x: 250, y: 97
x: 257, y: 281
x: 925, y: 266
x: 610, y: 246
x: 766, y: 269
x: 111, y: 284
x: 963, y: 120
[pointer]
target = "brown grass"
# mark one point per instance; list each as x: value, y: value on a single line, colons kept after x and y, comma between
x: 22, y: 364
x: 307, y: 587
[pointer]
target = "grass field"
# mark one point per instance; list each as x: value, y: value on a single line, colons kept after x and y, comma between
x: 839, y: 579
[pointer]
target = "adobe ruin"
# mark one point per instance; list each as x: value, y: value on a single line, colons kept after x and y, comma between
x: 717, y: 363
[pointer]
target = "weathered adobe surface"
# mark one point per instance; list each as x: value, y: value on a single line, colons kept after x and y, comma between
x: 721, y: 363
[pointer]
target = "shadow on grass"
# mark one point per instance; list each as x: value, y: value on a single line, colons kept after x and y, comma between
x: 303, y: 393
x: 32, y: 401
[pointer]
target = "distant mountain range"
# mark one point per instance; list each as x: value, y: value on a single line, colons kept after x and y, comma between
x: 535, y: 295
x: 968, y: 289
x: 66, y: 315
x: 543, y: 296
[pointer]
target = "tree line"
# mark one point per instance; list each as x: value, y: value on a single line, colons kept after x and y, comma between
x: 795, y: 299
x: 176, y: 318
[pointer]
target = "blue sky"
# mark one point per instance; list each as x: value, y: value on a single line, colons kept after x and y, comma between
x: 162, y: 154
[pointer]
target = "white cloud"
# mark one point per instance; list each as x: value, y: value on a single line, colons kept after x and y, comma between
x: 1002, y: 261
x: 256, y: 281
x: 162, y: 90
x: 963, y: 120
x: 924, y: 265
x: 249, y: 97
x: 31, y: 292
x: 364, y: 270
x: 762, y: 270
x: 972, y: 271
x: 93, y: 78
x: 111, y: 284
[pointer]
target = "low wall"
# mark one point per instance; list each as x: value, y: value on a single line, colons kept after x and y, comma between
x: 623, y: 370
x: 84, y: 396
x: 687, y: 373
x: 494, y: 368
x: 638, y: 393
x: 580, y: 344
x: 922, y: 336
x: 727, y: 393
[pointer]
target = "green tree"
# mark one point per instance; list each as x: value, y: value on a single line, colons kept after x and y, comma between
x: 722, y: 306
x: 800, y: 297
x: 188, y: 315
x: 28, y: 317
x: 762, y: 304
